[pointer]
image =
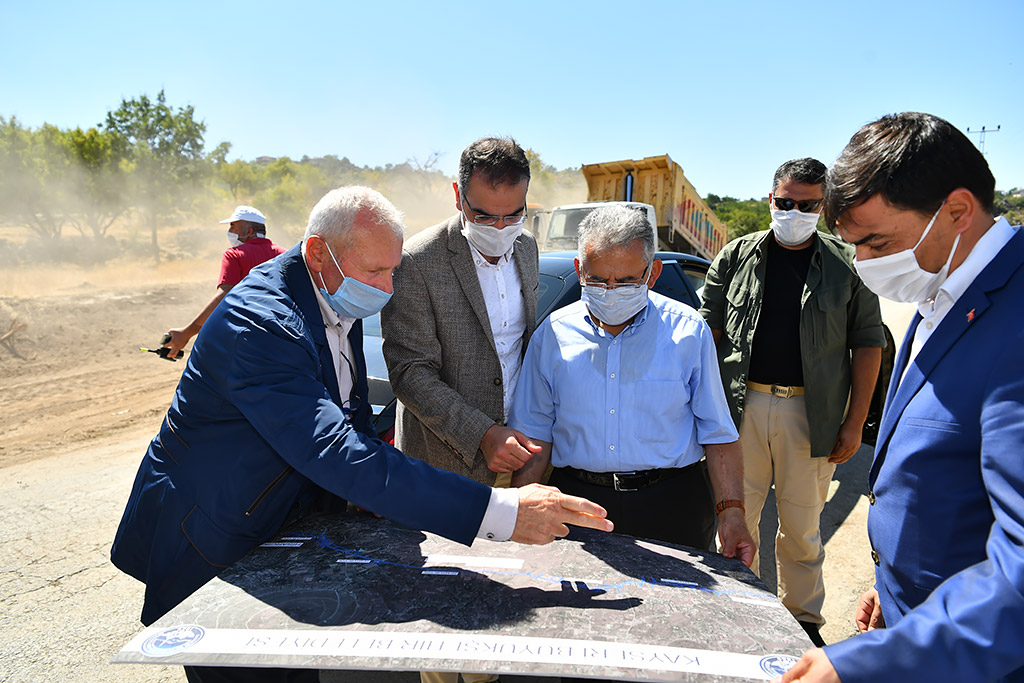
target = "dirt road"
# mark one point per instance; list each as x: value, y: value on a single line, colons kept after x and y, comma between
x: 77, y: 407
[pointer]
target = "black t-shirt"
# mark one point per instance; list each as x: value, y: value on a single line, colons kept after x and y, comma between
x: 775, y: 356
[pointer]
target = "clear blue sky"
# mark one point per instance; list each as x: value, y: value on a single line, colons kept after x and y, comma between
x: 728, y: 89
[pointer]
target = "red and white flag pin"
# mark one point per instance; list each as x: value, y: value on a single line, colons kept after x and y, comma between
x: 970, y: 315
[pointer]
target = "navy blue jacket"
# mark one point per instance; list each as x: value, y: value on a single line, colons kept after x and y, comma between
x: 256, y: 436
x: 947, y: 519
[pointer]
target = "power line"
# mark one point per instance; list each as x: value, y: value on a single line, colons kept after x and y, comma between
x: 981, y: 135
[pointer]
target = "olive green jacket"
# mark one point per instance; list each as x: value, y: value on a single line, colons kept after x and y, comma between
x: 837, y: 314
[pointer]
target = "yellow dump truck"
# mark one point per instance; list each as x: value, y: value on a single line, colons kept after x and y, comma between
x: 684, y: 222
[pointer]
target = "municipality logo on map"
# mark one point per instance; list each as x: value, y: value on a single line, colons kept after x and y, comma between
x: 172, y: 640
x: 776, y: 665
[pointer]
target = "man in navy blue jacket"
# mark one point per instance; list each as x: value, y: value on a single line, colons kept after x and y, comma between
x: 271, y: 421
x: 946, y: 524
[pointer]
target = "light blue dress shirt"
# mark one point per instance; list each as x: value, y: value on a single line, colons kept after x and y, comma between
x: 646, y: 399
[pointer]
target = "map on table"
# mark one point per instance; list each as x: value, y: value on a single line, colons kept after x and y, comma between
x: 355, y: 592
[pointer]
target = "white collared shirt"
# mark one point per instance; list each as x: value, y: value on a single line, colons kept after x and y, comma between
x: 934, y: 310
x: 503, y: 296
x: 337, y: 329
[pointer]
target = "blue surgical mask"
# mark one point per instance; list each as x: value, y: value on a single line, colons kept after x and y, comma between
x: 354, y: 299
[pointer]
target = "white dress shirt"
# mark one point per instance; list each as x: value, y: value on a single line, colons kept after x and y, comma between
x: 934, y: 310
x: 503, y: 295
x: 500, y: 517
x: 337, y: 329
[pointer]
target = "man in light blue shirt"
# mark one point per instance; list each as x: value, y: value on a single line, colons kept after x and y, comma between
x: 622, y: 391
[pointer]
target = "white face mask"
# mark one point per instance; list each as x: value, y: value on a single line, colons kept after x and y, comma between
x: 234, y: 239
x: 900, y: 277
x: 489, y: 240
x: 614, y: 306
x: 793, y: 227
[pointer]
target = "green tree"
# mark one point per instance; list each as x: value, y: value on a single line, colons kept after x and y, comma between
x: 290, y: 190
x: 1011, y: 205
x: 34, y: 177
x: 242, y: 178
x: 740, y: 216
x: 98, y: 166
x: 165, y: 149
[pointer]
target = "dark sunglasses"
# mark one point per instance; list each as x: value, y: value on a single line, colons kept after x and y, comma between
x: 806, y: 205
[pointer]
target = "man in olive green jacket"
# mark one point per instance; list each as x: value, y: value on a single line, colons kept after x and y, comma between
x: 799, y: 341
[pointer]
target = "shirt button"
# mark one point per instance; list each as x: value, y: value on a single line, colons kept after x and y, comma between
x: 612, y: 375
x: 874, y: 557
x: 615, y: 341
x: 928, y: 325
x: 612, y: 447
x: 612, y: 411
x: 490, y: 536
x: 497, y: 381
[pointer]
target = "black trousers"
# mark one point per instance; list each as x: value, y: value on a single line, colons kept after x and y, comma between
x: 234, y: 674
x: 678, y: 510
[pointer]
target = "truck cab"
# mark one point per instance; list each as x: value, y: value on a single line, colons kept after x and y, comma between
x: 564, y: 223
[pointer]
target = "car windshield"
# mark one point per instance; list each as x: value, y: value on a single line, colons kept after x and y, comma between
x: 564, y: 228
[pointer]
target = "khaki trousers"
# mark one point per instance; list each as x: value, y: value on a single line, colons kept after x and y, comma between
x: 448, y: 677
x: 776, y: 443
x: 503, y: 481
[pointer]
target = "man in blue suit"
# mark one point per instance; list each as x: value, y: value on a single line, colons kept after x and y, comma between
x: 271, y: 421
x: 946, y: 523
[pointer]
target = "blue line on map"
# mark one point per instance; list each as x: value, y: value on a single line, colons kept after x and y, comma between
x: 360, y: 558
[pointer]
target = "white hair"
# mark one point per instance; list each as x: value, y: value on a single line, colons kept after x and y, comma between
x: 334, y: 215
x: 612, y: 226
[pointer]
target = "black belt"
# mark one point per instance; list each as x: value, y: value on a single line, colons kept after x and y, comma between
x: 626, y: 481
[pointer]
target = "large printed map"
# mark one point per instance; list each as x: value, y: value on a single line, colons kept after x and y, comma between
x: 355, y: 592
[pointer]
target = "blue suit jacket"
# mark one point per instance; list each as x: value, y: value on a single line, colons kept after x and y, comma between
x: 256, y: 436
x: 948, y: 480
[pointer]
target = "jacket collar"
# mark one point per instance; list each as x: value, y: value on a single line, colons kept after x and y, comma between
x: 465, y: 271
x: 964, y: 313
x: 299, y: 284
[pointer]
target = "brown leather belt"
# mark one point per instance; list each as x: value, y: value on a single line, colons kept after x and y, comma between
x: 626, y: 481
x: 779, y: 390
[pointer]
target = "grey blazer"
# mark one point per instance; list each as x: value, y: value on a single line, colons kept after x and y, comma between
x: 440, y: 352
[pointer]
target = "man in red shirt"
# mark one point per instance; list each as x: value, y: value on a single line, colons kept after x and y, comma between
x: 249, y: 248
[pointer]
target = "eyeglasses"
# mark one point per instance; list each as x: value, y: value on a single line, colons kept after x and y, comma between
x: 805, y: 205
x: 617, y: 285
x: 486, y: 219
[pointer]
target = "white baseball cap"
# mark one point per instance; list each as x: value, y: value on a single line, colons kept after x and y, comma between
x: 246, y: 213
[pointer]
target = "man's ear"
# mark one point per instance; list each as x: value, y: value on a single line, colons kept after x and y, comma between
x: 315, y: 253
x: 655, y: 273
x: 458, y: 197
x: 963, y: 207
x: 576, y: 262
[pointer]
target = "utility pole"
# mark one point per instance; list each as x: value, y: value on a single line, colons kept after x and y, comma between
x: 981, y: 135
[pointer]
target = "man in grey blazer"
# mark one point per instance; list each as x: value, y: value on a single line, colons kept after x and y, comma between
x: 455, y: 331
x: 464, y: 307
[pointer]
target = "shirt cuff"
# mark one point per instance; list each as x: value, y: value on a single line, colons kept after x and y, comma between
x: 500, y: 517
